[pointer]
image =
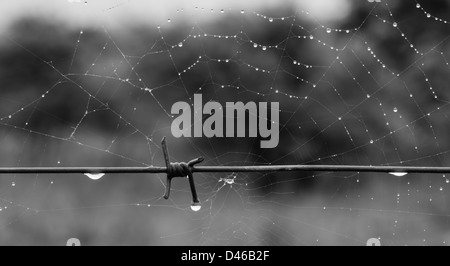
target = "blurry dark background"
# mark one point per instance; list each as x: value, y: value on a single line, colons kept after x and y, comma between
x: 91, y: 95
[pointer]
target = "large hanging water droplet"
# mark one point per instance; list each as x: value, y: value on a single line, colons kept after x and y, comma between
x: 270, y: 19
x: 395, y: 110
x: 94, y: 176
x: 328, y: 30
x: 398, y: 174
x: 395, y: 24
x: 196, y: 207
x: 180, y: 44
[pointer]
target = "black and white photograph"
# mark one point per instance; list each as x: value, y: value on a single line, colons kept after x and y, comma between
x: 202, y: 123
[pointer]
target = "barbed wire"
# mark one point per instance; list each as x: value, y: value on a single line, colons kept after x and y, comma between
x: 182, y: 169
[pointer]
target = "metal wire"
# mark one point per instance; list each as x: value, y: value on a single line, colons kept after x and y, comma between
x: 223, y: 169
x: 173, y: 170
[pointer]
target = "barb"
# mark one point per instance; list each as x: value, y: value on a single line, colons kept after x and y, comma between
x: 180, y: 170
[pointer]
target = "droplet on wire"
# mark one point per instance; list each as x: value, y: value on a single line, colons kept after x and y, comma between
x: 94, y: 176
x: 398, y: 174
x: 196, y: 207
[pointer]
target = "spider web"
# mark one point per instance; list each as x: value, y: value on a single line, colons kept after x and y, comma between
x: 367, y: 90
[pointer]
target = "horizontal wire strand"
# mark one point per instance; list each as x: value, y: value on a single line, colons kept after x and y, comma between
x: 222, y: 169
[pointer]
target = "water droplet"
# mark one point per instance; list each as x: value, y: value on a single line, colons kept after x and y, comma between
x: 395, y: 110
x: 180, y: 44
x: 229, y: 181
x: 371, y: 141
x: 255, y: 45
x: 169, y: 20
x: 270, y: 19
x: 328, y: 30
x: 395, y: 24
x: 242, y: 11
x: 13, y: 184
x: 264, y: 48
x: 196, y: 207
x: 398, y: 174
x: 418, y: 6
x: 94, y: 176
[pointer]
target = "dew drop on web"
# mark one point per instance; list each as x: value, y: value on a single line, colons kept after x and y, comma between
x: 229, y: 181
